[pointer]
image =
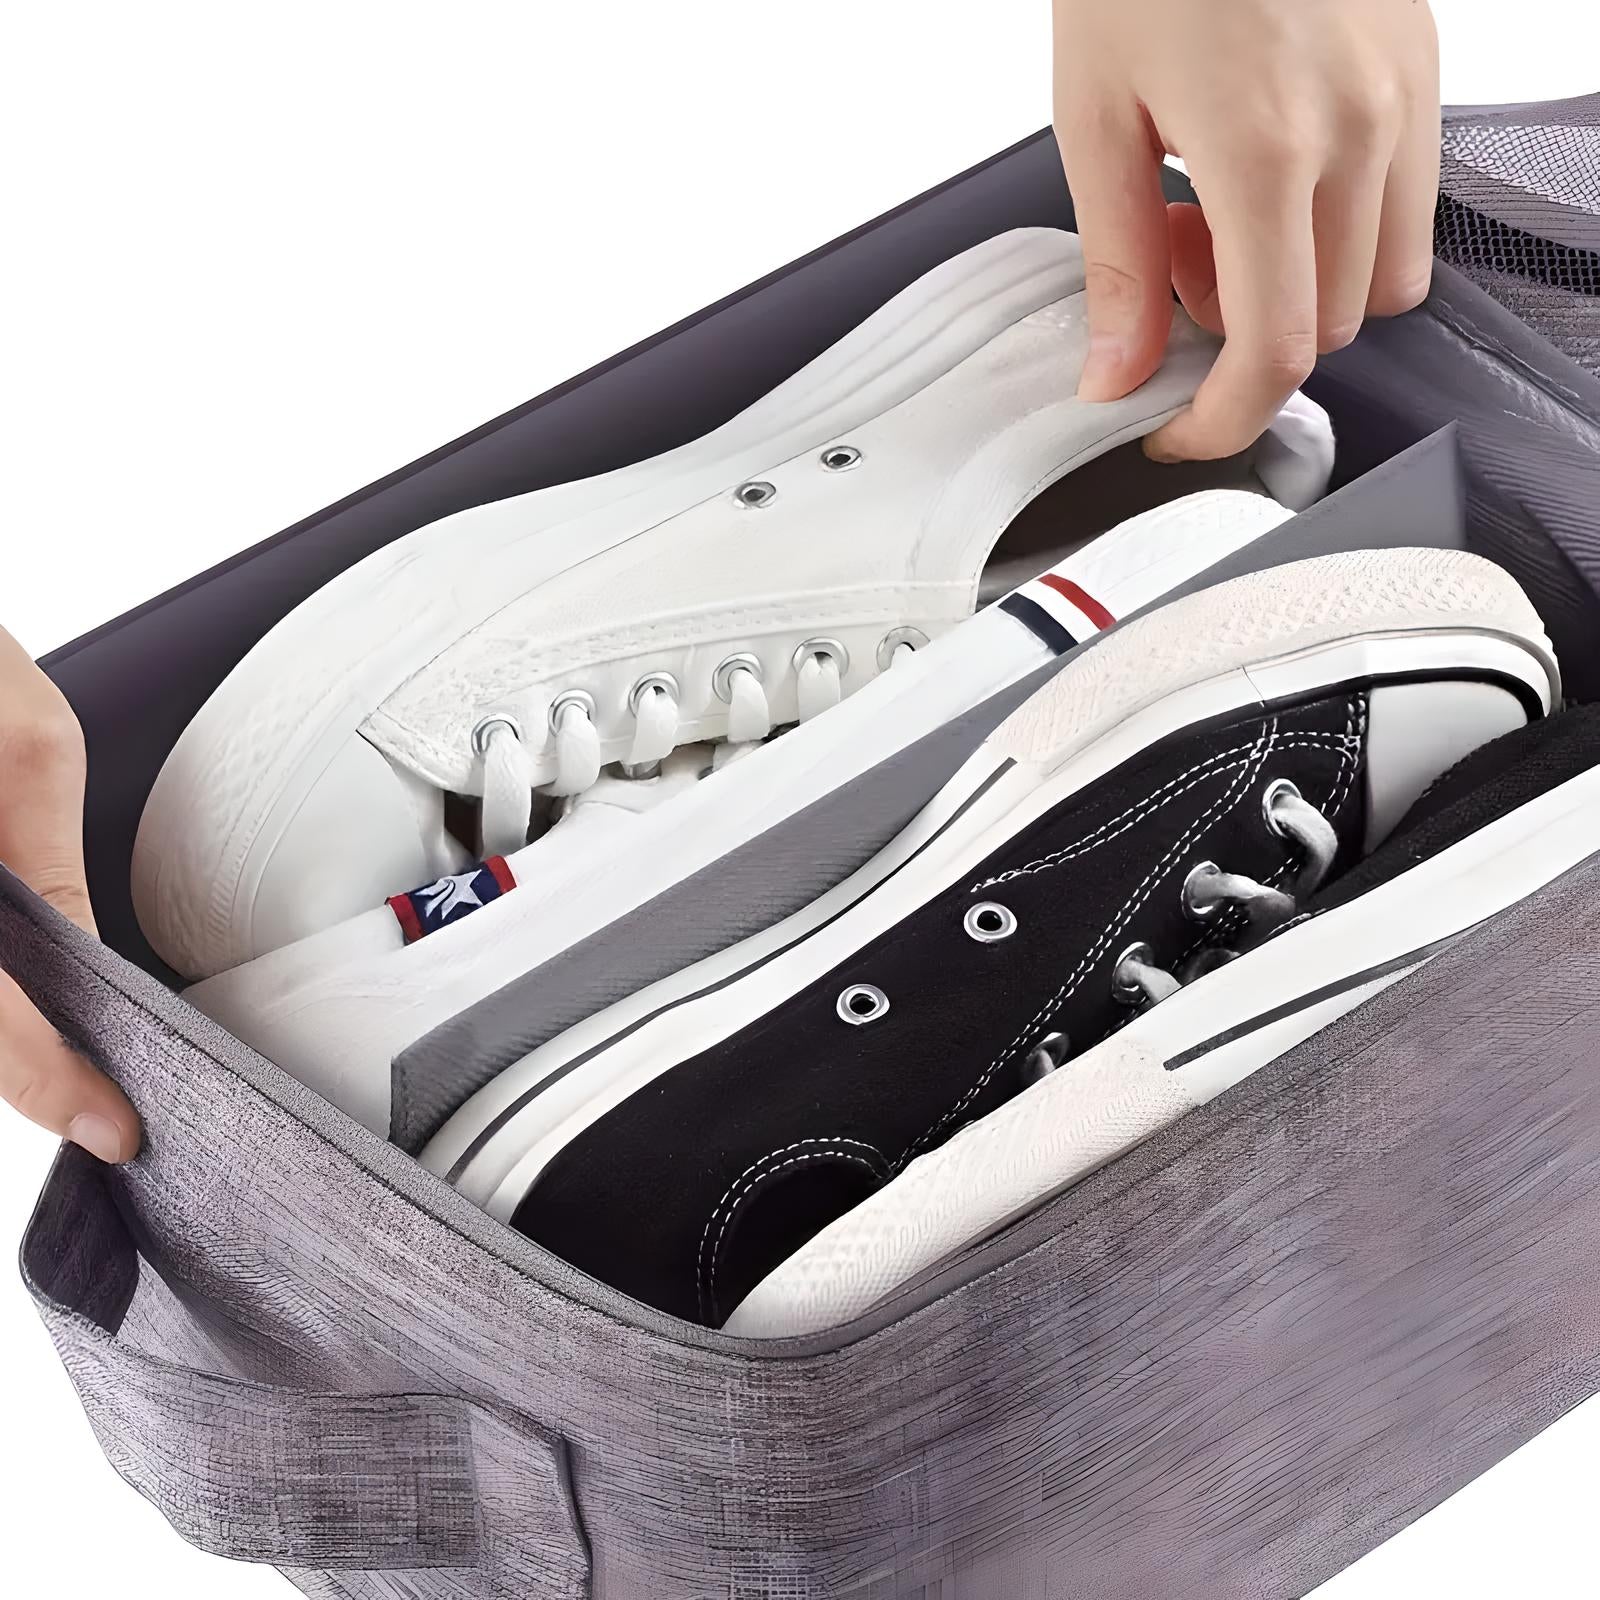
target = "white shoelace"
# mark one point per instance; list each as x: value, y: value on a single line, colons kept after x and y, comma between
x: 818, y: 689
x: 508, y: 764
x: 655, y: 733
x: 507, y: 789
x: 749, y: 715
x: 1138, y: 978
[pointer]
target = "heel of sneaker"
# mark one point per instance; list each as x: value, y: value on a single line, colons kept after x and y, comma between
x: 1205, y: 637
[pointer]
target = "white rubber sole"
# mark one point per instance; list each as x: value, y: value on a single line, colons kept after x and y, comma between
x: 247, y: 761
x: 1257, y: 640
x: 1180, y: 1054
x: 336, y: 1008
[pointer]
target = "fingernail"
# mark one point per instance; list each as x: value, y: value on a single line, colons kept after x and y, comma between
x: 1108, y: 355
x: 98, y: 1135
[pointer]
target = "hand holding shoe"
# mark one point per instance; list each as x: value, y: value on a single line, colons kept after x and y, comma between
x: 41, y: 840
x: 1311, y: 134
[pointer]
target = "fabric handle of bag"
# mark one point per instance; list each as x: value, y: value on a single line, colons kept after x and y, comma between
x: 421, y: 1483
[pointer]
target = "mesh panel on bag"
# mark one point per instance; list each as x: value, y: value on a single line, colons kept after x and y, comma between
x: 1519, y: 214
x: 1476, y: 243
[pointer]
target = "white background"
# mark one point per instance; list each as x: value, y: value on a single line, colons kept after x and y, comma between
x: 260, y: 254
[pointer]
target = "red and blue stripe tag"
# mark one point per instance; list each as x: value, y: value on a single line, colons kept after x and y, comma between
x: 436, y: 905
x: 1059, y: 612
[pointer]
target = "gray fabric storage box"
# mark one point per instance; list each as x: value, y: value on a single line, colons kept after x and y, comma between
x: 1223, y: 1366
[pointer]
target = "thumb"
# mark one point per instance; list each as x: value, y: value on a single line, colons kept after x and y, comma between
x: 51, y: 1084
x: 41, y: 840
x: 1113, y: 165
x: 42, y: 768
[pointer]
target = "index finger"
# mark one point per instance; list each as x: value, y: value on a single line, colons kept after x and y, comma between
x: 1266, y: 263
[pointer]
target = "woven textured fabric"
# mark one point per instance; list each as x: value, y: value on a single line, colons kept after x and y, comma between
x: 1379, y: 1249
x: 1519, y: 214
x: 263, y: 1471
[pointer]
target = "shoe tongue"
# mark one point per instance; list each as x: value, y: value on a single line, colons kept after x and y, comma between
x: 612, y: 792
x: 1491, y: 782
x: 1515, y: 768
x: 1415, y: 731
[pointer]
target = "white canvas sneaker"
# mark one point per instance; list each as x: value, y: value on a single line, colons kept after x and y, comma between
x: 744, y: 582
x: 334, y: 1009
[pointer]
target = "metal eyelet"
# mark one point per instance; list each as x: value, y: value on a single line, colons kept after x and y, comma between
x: 1278, y: 789
x: 840, y: 457
x: 570, y: 697
x: 989, y: 922
x: 486, y: 725
x: 1050, y: 1052
x: 892, y: 641
x: 1122, y: 991
x: 822, y: 647
x: 862, y: 1003
x: 1192, y: 908
x: 756, y: 494
x: 663, y: 681
x: 722, y: 678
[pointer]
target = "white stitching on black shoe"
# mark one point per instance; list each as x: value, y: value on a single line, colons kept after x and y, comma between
x: 1158, y: 798
x: 1349, y: 745
x: 1230, y: 797
x: 840, y: 1149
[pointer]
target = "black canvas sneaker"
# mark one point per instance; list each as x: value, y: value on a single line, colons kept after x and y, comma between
x: 1500, y: 826
x: 1175, y: 794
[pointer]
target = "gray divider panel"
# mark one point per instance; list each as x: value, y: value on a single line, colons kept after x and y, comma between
x: 1415, y: 499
